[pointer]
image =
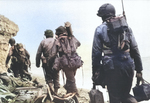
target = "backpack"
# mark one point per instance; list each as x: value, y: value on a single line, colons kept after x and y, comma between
x: 117, y: 24
x: 73, y: 62
x: 118, y: 32
x: 69, y: 58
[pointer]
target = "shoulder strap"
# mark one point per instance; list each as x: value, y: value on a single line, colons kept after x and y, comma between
x: 52, y: 46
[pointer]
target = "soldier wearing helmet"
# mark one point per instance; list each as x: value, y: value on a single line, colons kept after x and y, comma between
x: 106, y: 11
x: 67, y: 45
x: 12, y: 41
x: 44, y: 52
x: 121, y: 56
x: 20, y: 60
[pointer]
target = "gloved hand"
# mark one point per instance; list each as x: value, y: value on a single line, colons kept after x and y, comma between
x: 67, y: 24
x: 139, y: 77
x: 98, y: 75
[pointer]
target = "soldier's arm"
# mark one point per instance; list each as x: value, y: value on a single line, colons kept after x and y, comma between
x: 96, y: 52
x: 10, y: 53
x: 38, y: 55
x: 28, y: 58
x: 134, y: 52
x: 27, y: 54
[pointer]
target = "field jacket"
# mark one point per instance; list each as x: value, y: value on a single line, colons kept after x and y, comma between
x: 44, y: 49
x: 101, y: 37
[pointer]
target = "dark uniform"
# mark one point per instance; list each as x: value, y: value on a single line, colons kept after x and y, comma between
x: 20, y: 61
x: 45, y: 48
x: 121, y: 57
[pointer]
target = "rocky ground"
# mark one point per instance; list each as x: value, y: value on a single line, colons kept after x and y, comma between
x: 83, y: 93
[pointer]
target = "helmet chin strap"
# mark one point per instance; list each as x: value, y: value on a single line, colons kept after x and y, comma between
x: 105, y: 18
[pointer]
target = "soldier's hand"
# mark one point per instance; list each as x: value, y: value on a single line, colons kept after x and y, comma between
x: 67, y: 24
x: 139, y: 77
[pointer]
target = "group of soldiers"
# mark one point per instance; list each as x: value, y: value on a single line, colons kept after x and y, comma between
x: 56, y: 52
x: 20, y: 60
x: 115, y: 56
x: 59, y: 53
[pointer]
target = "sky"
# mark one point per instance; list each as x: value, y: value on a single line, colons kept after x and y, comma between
x: 35, y: 16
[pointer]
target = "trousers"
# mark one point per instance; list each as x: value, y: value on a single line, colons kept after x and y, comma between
x: 51, y: 76
x: 119, y: 79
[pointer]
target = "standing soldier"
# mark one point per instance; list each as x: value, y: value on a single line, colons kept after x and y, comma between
x: 121, y: 55
x: 44, y: 52
x: 20, y: 60
x: 68, y: 61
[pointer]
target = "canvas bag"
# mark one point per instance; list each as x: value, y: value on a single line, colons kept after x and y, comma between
x: 73, y: 62
x: 96, y: 96
x: 142, y: 92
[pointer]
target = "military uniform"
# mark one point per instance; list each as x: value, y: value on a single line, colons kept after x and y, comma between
x: 20, y: 61
x: 119, y: 60
x: 67, y: 46
x: 44, y: 52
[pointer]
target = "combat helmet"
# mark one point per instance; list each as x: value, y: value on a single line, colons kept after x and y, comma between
x: 12, y: 41
x: 48, y: 33
x: 106, y: 10
x: 60, y: 30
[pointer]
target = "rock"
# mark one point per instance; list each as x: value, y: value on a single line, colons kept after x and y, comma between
x: 8, y: 29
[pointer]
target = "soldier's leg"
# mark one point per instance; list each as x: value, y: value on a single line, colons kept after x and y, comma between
x: 21, y: 71
x: 48, y: 77
x: 118, y: 85
x: 56, y: 81
x: 70, y: 85
x: 26, y: 73
x: 16, y: 70
x: 129, y: 99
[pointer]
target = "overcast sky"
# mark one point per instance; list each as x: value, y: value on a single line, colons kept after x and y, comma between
x: 35, y: 16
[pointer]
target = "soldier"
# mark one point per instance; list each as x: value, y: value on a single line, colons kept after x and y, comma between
x: 20, y: 60
x: 13, y: 61
x: 66, y: 46
x: 121, y: 55
x: 44, y: 52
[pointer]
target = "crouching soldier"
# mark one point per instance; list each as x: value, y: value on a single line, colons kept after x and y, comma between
x: 20, y: 61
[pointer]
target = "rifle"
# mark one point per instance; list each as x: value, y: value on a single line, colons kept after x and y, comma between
x: 123, y: 10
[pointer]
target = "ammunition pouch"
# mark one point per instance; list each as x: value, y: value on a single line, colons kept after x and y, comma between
x: 107, y: 62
